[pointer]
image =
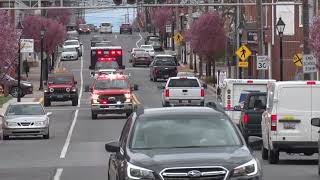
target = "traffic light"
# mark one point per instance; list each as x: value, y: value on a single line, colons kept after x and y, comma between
x: 131, y: 1
x: 117, y: 2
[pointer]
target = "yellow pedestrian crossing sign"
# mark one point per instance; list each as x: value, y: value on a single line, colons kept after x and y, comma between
x: 178, y: 38
x: 297, y: 59
x: 243, y: 53
x: 243, y: 64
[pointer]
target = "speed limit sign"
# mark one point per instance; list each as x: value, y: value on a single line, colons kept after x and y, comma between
x: 262, y: 62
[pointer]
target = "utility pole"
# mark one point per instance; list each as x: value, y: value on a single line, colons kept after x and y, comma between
x: 260, y: 35
x: 237, y: 38
x: 306, y: 49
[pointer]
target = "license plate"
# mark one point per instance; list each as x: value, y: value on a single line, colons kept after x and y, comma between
x: 59, y: 96
x: 185, y: 101
x: 166, y: 76
x: 288, y: 125
x: 112, y: 107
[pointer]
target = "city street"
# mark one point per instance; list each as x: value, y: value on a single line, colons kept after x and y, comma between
x: 75, y: 150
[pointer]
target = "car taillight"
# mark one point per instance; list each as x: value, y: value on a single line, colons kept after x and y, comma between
x: 274, y: 119
x: 119, y: 53
x: 249, y: 82
x: 202, y: 92
x: 99, y: 52
x: 167, y: 93
x: 113, y: 52
x: 311, y: 82
x: 245, y: 119
x: 104, y: 102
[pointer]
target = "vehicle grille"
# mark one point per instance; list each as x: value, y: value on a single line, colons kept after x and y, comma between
x: 112, y: 98
x: 25, y: 123
x: 207, y: 173
x: 59, y: 90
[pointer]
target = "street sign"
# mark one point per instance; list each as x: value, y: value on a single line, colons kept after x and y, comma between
x: 309, y: 63
x: 297, y: 59
x: 243, y: 64
x: 262, y: 62
x: 178, y: 38
x: 26, y: 45
x: 243, y: 53
x: 168, y: 28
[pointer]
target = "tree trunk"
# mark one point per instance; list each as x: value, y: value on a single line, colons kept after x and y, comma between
x: 200, y: 67
x: 213, y: 64
x: 191, y: 59
x: 209, y: 67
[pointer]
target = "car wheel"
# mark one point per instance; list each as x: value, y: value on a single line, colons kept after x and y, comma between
x: 5, y: 137
x: 75, y: 101
x: 14, y: 91
x: 264, y: 153
x: 46, y: 102
x: 273, y: 156
x: 47, y: 136
x: 94, y: 115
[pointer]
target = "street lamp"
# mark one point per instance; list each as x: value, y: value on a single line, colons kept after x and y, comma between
x: 240, y: 30
x: 19, y: 29
x: 42, y: 31
x: 280, y: 28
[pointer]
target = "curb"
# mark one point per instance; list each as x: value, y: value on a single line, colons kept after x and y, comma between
x: 39, y: 99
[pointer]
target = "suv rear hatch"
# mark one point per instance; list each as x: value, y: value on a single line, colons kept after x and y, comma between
x: 184, y: 88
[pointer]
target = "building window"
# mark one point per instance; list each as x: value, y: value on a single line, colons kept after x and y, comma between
x: 300, y: 16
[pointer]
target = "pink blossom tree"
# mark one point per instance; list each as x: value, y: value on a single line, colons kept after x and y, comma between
x: 61, y: 15
x: 208, y: 37
x: 161, y: 17
x: 9, y: 39
x: 315, y: 38
x: 55, y: 32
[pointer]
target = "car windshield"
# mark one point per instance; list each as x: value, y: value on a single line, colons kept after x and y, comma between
x: 25, y: 109
x: 111, y: 84
x: 103, y: 44
x: 71, y: 43
x: 165, y: 62
x: 69, y: 50
x: 107, y: 65
x: 60, y: 80
x: 146, y: 47
x: 83, y: 26
x: 244, y: 95
x: 170, y: 132
x: 142, y: 54
x: 183, y: 83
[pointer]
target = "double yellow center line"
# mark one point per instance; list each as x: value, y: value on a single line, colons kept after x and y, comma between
x: 135, y: 99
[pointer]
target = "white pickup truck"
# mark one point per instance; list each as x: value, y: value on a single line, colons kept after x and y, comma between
x: 182, y: 91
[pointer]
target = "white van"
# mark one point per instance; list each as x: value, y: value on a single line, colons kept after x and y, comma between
x: 105, y: 27
x: 234, y: 93
x: 286, y: 123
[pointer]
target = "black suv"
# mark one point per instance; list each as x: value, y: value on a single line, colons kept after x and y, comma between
x: 61, y: 87
x: 181, y: 143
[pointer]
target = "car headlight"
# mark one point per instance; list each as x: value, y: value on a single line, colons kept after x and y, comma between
x: 73, y: 89
x: 10, y: 124
x: 46, y: 90
x: 51, y: 89
x: 26, y: 84
x: 94, y: 98
x: 68, y: 89
x: 40, y: 123
x: 248, y: 169
x: 135, y: 172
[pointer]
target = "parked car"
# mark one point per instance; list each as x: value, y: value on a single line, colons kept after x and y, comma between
x: 25, y: 119
x: 286, y: 127
x: 12, y: 83
x: 84, y: 29
x: 143, y: 59
x: 251, y: 114
x: 181, y: 143
x: 61, y: 87
x: 69, y: 54
x: 183, y: 91
x: 149, y: 49
x: 73, y: 44
x: 106, y: 28
x: 163, y: 68
x: 125, y: 28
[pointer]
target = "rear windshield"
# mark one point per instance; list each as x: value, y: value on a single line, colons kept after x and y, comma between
x: 258, y: 101
x: 105, y: 24
x: 165, y: 62
x: 71, y: 43
x: 111, y: 84
x: 107, y: 65
x: 183, y: 83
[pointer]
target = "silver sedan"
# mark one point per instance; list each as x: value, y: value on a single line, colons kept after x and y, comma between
x: 24, y: 119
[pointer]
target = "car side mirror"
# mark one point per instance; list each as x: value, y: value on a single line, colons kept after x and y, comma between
x: 112, y: 146
x: 315, y: 122
x: 49, y: 113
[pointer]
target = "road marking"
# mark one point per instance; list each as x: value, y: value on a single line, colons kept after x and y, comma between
x: 139, y: 40
x: 115, y: 36
x: 67, y: 143
x: 136, y: 99
x: 58, y: 174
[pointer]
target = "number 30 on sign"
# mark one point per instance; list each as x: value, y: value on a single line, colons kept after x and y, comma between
x: 262, y: 62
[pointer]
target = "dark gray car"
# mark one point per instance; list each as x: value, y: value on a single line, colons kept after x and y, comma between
x: 181, y: 143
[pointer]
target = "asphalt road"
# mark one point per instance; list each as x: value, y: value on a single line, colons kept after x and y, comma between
x: 75, y: 150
